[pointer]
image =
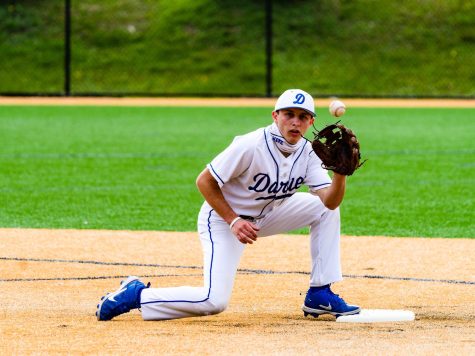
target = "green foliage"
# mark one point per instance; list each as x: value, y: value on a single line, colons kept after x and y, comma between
x: 135, y: 167
x: 347, y: 48
x: 31, y: 46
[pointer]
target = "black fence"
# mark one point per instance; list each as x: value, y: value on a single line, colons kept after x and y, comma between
x: 237, y: 48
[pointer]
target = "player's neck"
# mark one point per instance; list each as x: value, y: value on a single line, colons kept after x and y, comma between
x: 286, y: 154
x: 281, y: 143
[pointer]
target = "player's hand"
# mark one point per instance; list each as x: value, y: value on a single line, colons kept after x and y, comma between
x: 245, y: 231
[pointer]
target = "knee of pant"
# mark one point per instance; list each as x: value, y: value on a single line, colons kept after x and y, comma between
x: 332, y: 212
x: 216, y: 306
x: 328, y: 217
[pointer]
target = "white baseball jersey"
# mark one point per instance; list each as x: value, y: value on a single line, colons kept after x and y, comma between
x: 254, y: 176
x: 257, y: 181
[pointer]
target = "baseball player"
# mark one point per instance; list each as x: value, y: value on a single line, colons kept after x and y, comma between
x: 250, y: 191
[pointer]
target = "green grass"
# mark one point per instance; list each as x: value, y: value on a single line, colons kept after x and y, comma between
x: 328, y: 47
x: 135, y: 167
x: 419, y: 176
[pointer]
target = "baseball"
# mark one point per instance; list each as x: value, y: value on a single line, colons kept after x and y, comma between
x: 337, y: 108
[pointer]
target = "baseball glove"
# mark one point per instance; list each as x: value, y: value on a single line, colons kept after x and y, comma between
x: 338, y: 148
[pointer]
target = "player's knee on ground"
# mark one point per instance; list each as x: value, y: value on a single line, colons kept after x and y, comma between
x: 215, y: 306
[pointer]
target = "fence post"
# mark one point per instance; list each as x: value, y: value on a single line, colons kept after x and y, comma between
x: 67, y: 47
x: 268, y: 10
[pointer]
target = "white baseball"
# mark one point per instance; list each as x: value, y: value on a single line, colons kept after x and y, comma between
x: 337, y: 108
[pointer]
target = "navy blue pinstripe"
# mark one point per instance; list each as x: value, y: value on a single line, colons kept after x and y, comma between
x: 318, y: 185
x: 210, y: 273
x: 216, y: 173
x: 276, y: 168
x: 293, y: 165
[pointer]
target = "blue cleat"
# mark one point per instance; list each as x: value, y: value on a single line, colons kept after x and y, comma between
x: 321, y: 300
x: 121, y: 301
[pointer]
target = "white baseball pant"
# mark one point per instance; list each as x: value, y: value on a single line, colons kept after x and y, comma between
x: 222, y: 252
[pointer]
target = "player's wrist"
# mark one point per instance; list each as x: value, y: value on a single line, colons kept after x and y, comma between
x: 235, y: 220
x: 339, y: 176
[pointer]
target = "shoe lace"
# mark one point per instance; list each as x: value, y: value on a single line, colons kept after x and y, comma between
x: 336, y: 298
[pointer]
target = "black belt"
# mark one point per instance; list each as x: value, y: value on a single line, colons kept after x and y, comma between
x: 248, y: 218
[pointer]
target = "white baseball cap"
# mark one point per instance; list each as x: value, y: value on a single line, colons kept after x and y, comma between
x: 296, y: 98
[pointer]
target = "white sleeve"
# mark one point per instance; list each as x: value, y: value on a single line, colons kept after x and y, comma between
x: 317, y: 177
x: 233, y: 161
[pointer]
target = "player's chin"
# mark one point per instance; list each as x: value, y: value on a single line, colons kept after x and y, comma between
x: 293, y: 137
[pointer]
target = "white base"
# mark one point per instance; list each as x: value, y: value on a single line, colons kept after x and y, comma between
x: 377, y: 316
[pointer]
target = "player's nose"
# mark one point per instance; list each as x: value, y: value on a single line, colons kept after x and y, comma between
x: 295, y: 123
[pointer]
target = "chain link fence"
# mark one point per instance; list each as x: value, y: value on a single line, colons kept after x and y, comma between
x: 360, y: 48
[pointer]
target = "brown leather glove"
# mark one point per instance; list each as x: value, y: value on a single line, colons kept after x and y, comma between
x: 338, y: 148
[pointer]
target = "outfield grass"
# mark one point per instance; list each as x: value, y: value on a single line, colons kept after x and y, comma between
x: 135, y: 167
x: 328, y: 47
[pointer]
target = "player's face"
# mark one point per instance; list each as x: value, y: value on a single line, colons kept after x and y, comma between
x: 292, y: 123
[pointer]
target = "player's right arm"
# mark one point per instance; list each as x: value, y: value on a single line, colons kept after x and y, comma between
x: 332, y: 196
x: 244, y: 230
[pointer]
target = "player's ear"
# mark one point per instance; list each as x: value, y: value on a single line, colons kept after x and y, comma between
x: 275, y: 114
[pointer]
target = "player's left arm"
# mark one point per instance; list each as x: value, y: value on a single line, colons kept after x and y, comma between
x: 332, y: 196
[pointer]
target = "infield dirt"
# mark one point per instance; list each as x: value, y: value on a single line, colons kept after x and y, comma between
x: 52, y: 280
